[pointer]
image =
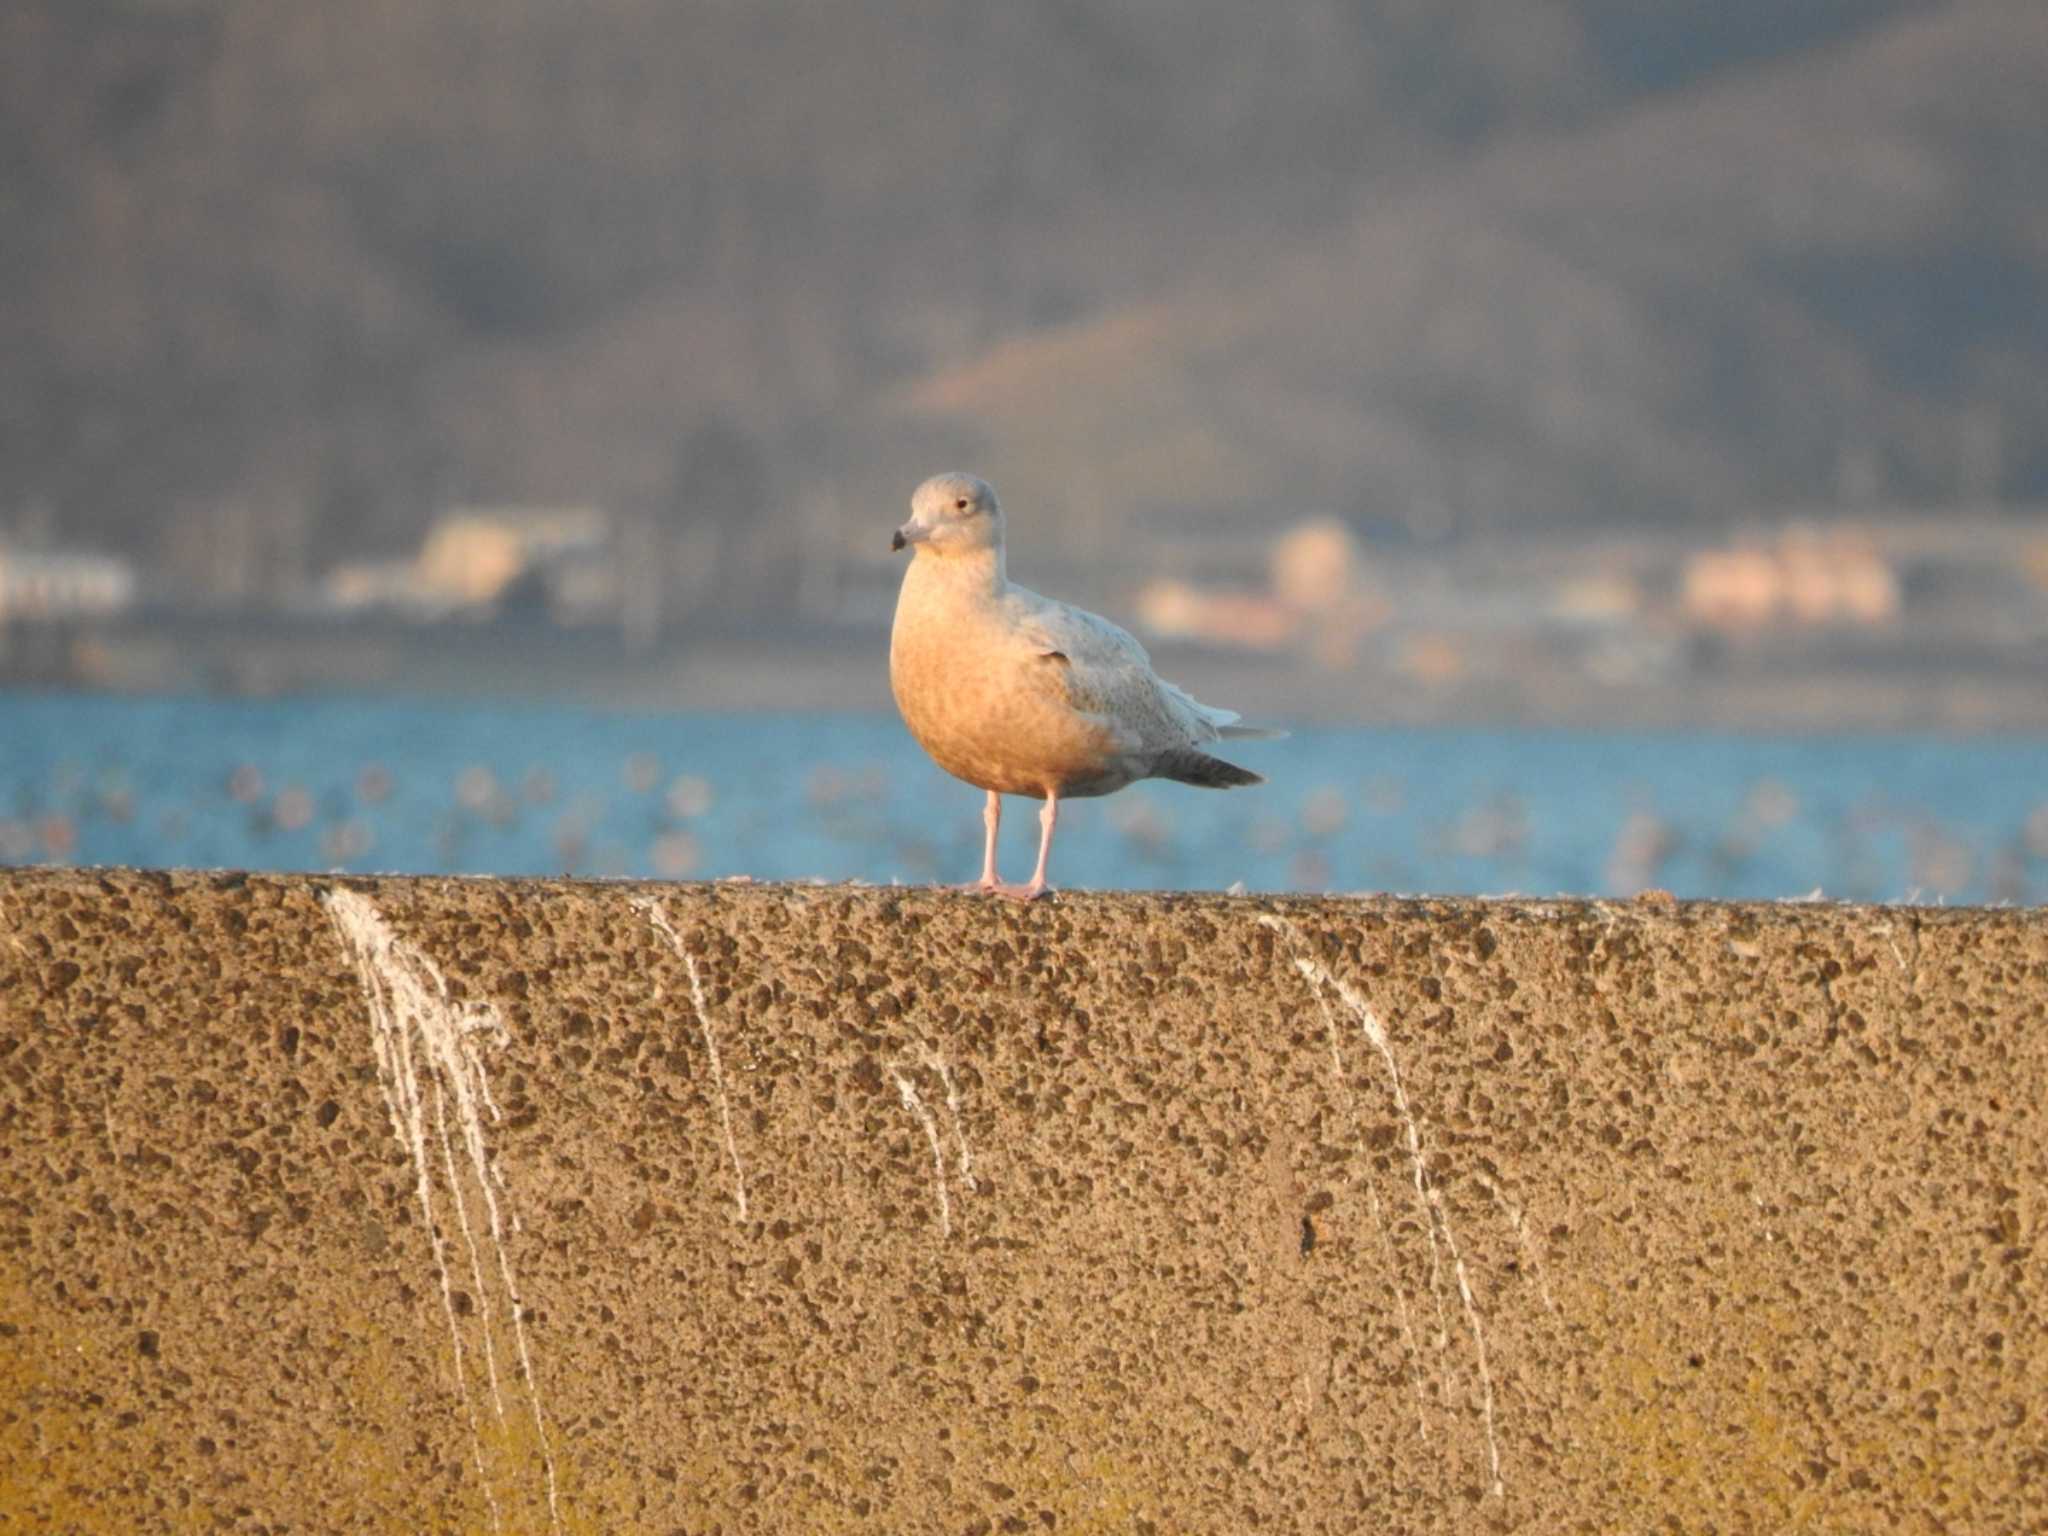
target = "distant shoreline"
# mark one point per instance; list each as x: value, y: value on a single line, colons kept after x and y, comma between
x: 846, y: 670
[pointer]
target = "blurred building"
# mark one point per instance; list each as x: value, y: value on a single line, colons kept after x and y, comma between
x: 1238, y: 618
x: 2034, y: 562
x: 483, y: 561
x: 1316, y: 598
x: 1314, y: 566
x: 1807, y: 576
x: 1597, y: 599
x: 62, y: 584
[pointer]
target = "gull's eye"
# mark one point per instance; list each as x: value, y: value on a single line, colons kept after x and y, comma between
x: 960, y: 505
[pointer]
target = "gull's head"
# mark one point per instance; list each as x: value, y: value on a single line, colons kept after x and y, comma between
x: 952, y: 514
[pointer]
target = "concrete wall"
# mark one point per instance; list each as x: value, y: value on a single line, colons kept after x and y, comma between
x: 422, y: 1205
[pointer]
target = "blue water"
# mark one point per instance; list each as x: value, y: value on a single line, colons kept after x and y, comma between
x: 362, y: 784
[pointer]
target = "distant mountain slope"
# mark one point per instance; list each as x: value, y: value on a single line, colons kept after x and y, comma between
x: 1454, y: 262
x: 1822, y: 278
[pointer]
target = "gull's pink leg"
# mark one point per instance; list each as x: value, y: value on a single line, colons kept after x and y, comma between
x: 991, y: 817
x: 1047, y: 820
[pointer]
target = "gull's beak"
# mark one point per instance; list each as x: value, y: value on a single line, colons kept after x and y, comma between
x: 912, y: 532
x: 898, y: 541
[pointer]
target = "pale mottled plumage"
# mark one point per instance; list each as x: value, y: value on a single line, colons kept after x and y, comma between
x: 1021, y: 695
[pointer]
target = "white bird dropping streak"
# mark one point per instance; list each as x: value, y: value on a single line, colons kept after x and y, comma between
x: 965, y: 1153
x: 1519, y: 1225
x: 410, y: 1006
x: 661, y: 925
x: 1379, y: 1219
x: 907, y: 1091
x: 1425, y: 1188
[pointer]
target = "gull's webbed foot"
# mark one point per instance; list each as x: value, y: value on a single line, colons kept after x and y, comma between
x: 1031, y: 892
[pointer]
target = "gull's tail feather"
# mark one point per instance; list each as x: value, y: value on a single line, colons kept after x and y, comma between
x: 1198, y: 768
x: 1224, y: 722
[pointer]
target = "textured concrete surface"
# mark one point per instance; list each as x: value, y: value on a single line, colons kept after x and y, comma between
x: 423, y: 1205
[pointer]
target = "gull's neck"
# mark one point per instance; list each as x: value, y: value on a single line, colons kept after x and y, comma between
x: 971, y: 574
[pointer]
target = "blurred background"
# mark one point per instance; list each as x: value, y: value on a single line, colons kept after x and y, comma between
x: 465, y: 434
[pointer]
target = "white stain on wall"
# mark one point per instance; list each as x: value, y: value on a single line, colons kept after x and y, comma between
x: 912, y: 1101
x: 963, y: 1154
x: 1430, y: 1199
x: 661, y: 925
x: 1519, y: 1225
x: 1342, y: 1080
x: 425, y: 1040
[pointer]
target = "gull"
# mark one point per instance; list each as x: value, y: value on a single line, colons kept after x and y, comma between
x: 1020, y: 695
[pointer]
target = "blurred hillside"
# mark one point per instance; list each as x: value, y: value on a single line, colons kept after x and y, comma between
x: 290, y: 279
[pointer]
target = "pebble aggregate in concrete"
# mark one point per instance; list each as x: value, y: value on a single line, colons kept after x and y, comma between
x: 418, y: 1205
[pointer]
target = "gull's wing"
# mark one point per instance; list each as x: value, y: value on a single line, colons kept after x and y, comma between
x: 1103, y: 670
x: 1087, y: 640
